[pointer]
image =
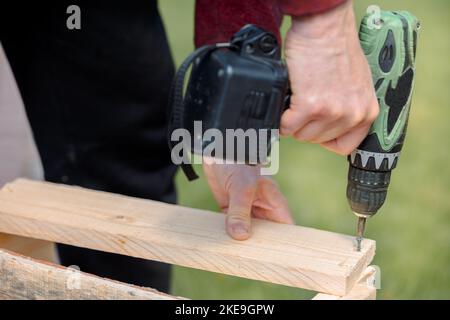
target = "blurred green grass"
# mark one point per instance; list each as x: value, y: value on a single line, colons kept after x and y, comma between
x: 412, y: 229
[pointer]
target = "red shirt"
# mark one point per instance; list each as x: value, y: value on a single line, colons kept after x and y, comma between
x: 217, y: 20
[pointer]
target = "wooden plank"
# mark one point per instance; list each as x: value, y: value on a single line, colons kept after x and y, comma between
x: 284, y: 254
x: 23, y: 278
x: 363, y: 290
x: 37, y: 249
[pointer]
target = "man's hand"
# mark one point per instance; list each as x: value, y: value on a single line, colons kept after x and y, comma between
x: 333, y: 101
x: 242, y: 193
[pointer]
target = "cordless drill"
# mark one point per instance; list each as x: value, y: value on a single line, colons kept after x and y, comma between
x: 243, y: 84
x: 389, y: 41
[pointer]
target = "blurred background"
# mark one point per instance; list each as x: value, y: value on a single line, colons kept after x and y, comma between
x: 412, y: 230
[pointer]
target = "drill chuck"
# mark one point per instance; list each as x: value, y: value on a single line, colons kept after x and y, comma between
x: 367, y: 190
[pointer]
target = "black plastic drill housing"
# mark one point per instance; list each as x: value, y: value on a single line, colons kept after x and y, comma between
x: 243, y: 87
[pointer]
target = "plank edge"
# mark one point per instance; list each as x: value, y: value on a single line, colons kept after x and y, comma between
x: 45, y: 269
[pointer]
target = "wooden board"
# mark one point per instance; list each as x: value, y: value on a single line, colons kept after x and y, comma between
x: 37, y: 249
x: 23, y: 278
x: 363, y: 290
x: 284, y: 254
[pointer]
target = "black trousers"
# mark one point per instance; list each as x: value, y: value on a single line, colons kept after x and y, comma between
x: 96, y: 99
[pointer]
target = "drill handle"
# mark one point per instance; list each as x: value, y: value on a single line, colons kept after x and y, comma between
x: 389, y: 45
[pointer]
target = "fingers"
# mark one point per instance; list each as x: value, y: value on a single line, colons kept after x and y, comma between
x: 242, y: 192
x: 217, y: 189
x: 271, y: 203
x: 293, y: 120
x: 314, y: 131
x: 326, y: 124
x: 238, y: 220
x: 348, y: 142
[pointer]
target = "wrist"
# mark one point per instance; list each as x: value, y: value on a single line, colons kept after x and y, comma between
x: 330, y: 24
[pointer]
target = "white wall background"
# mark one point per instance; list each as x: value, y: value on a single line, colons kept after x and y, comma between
x: 18, y: 154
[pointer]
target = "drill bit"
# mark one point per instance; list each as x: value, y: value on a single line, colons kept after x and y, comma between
x: 360, y: 232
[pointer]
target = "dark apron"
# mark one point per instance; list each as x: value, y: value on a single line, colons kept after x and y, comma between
x: 96, y: 100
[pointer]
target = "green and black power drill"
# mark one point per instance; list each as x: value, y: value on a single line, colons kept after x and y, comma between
x: 243, y: 84
x: 389, y: 41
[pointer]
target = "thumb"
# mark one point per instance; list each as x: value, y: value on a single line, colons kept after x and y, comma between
x: 238, y: 220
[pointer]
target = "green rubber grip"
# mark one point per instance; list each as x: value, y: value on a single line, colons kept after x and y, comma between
x: 389, y: 41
